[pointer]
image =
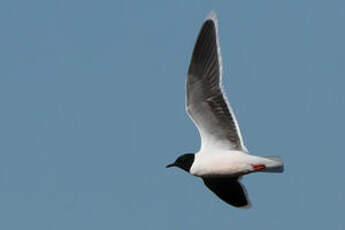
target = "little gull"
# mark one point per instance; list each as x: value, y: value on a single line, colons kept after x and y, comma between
x: 222, y: 158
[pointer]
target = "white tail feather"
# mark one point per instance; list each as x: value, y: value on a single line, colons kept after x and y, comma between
x: 275, y: 165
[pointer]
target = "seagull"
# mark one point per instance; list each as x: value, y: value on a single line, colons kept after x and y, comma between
x: 222, y: 159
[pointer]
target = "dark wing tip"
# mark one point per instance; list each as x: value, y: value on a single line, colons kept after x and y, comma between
x: 212, y: 16
x: 204, y: 59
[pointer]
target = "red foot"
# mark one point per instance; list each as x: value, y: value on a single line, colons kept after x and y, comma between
x: 258, y: 167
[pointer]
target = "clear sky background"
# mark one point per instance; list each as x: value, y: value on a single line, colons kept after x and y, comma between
x: 92, y: 109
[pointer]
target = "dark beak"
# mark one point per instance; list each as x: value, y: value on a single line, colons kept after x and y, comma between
x: 170, y: 165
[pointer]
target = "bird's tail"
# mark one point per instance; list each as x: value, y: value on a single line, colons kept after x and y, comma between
x: 274, y: 164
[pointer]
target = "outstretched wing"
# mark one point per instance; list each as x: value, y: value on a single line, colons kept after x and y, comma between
x: 229, y: 190
x: 205, y: 102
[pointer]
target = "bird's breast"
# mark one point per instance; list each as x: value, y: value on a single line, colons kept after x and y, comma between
x: 218, y: 165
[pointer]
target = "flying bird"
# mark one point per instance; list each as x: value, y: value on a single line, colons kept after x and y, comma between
x: 222, y: 159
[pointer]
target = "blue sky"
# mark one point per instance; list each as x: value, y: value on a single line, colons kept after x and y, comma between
x: 92, y: 109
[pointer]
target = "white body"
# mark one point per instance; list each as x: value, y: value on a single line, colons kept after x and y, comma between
x: 227, y: 163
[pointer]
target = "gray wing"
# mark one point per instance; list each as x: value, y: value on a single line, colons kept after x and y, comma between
x: 205, y: 103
